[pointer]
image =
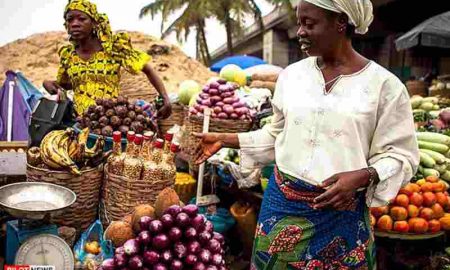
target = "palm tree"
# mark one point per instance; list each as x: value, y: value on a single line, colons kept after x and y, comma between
x: 194, y: 15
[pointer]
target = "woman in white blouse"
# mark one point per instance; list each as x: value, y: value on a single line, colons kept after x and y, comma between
x: 343, y: 139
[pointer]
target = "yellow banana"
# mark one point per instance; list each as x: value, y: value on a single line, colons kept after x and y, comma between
x: 44, y: 146
x: 83, y: 136
x: 73, y: 149
x: 55, y: 150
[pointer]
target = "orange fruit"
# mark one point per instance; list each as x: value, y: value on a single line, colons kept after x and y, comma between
x: 416, y: 199
x: 379, y: 211
x: 413, y: 211
x: 385, y: 223
x: 402, y: 200
x: 426, y: 213
x: 432, y: 179
x: 418, y: 225
x: 429, y: 198
x: 434, y: 226
x: 401, y: 226
x: 441, y: 199
x: 438, y: 211
x: 426, y: 187
x: 399, y: 213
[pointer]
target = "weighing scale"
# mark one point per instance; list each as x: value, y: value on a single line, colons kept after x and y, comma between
x: 31, y: 239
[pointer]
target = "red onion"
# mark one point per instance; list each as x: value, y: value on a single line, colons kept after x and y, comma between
x: 222, y: 115
x: 166, y: 257
x: 198, y: 222
x: 217, y: 259
x: 191, y: 259
x: 175, y: 234
x: 221, y: 81
x: 228, y: 109
x: 191, y: 210
x: 167, y: 221
x: 445, y: 116
x: 108, y: 264
x: 161, y: 241
x: 120, y: 260
x: 156, y: 226
x: 119, y: 250
x: 190, y: 233
x: 180, y: 250
x: 204, y: 237
x: 198, y: 107
x: 220, y: 104
x: 213, y: 92
x: 223, y: 88
x: 136, y: 262
x: 131, y: 247
x: 212, y: 267
x: 214, y: 246
x: 238, y: 104
x: 192, y: 110
x: 209, y: 227
x: 218, y: 237
x: 174, y: 210
x: 194, y: 247
x: 234, y: 116
x: 144, y: 223
x: 199, y: 266
x: 151, y: 257
x: 206, y: 102
x: 226, y: 95
x: 145, y: 238
x: 205, y: 256
x: 159, y: 266
x: 214, y: 85
x: 204, y: 96
x: 217, y: 109
x: 176, y: 265
x: 182, y: 220
x: 205, y: 89
x: 215, y: 99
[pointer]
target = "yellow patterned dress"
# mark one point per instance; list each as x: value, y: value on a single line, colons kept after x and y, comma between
x: 97, y: 77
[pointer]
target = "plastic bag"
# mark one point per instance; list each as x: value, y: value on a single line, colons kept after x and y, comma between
x: 91, y: 249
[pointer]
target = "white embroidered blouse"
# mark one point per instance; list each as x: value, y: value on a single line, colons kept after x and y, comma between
x: 366, y: 120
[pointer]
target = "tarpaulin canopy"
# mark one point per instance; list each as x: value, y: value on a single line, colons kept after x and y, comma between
x: 17, y: 99
x: 434, y: 32
x: 243, y: 61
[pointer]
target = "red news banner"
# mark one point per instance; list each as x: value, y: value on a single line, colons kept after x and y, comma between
x: 28, y: 267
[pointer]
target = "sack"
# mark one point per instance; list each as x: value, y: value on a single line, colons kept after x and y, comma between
x: 49, y: 115
x: 263, y: 84
x: 265, y: 77
x: 92, y: 241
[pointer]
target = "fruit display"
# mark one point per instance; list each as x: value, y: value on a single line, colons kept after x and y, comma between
x: 180, y: 238
x: 434, y: 152
x: 64, y: 150
x: 419, y: 208
x: 117, y: 114
x: 219, y: 95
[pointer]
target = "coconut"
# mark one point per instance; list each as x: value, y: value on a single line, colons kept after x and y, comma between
x: 165, y: 199
x: 119, y: 232
x: 141, y: 211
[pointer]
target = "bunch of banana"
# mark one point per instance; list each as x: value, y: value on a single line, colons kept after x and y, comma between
x: 34, y: 156
x: 55, y: 150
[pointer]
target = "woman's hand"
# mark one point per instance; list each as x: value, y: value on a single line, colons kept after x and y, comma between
x: 210, y: 144
x: 52, y: 87
x: 166, y: 110
x: 341, y: 189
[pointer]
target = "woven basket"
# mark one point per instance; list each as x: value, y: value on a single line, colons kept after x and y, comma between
x: 417, y: 88
x: 120, y: 195
x: 189, y: 143
x: 86, y: 186
x: 176, y: 118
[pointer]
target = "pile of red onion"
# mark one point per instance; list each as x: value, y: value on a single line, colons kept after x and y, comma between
x: 181, y: 239
x: 220, y: 97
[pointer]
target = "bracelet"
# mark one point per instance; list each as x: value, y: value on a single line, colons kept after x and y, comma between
x: 373, y: 175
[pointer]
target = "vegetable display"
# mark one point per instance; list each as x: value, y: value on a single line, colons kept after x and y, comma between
x: 180, y: 239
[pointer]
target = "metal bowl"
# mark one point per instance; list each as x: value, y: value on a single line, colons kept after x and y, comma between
x: 32, y: 200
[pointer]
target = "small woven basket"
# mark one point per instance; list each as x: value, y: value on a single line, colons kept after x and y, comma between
x: 176, y: 118
x: 87, y: 187
x: 121, y: 194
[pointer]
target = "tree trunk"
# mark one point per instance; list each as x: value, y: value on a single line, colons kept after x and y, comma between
x: 229, y: 30
x: 201, y: 28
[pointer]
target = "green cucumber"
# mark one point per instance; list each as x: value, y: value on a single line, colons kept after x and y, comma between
x: 430, y: 172
x: 442, y: 168
x: 438, y: 147
x: 426, y: 160
x: 433, y: 100
x: 438, y: 157
x: 433, y: 137
x: 446, y: 176
x: 416, y: 101
x: 420, y: 169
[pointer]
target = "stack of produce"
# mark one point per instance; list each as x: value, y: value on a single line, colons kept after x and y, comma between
x: 440, y: 86
x: 264, y: 80
x: 166, y: 237
x: 419, y: 208
x: 64, y: 150
x: 220, y: 97
x: 434, y: 150
x: 116, y: 114
x: 424, y: 107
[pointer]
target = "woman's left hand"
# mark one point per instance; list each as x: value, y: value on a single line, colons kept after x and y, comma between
x: 341, y: 189
x: 166, y: 109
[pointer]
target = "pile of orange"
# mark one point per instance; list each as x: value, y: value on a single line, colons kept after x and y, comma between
x: 419, y: 208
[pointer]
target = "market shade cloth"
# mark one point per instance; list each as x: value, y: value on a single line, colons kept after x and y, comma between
x: 434, y: 32
x: 17, y: 98
x: 243, y: 61
x: 264, y: 68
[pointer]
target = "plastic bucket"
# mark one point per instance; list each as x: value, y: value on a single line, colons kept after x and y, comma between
x: 222, y: 220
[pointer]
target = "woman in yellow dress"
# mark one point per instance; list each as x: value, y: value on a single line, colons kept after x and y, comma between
x: 91, y: 64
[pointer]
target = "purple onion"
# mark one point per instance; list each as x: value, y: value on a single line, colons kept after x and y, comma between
x: 131, y: 247
x: 167, y: 221
x: 190, y: 233
x: 218, y: 237
x: 156, y: 226
x: 161, y: 241
x: 220, y: 104
x: 223, y: 88
x: 175, y: 234
x: 204, y: 237
x: 207, y: 102
x: 205, y: 89
x: 194, y: 247
x: 108, y: 264
x: 119, y: 250
x: 199, y: 266
x: 212, y: 267
x: 222, y: 267
x: 209, y: 227
x: 174, y: 210
x: 213, y: 92
x: 180, y: 250
x: 166, y: 257
x: 159, y: 266
x: 121, y: 260
x: 191, y: 259
x: 205, y: 256
x: 221, y: 81
x: 198, y: 222
x: 214, y: 246
x: 217, y: 259
x: 204, y: 96
x: 144, y: 223
x: 136, y: 262
x: 191, y: 210
x: 151, y: 257
x: 176, y: 265
x: 214, y: 85
x: 145, y: 238
x: 182, y: 220
x: 192, y: 110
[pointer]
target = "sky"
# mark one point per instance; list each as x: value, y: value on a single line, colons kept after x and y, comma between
x: 22, y: 18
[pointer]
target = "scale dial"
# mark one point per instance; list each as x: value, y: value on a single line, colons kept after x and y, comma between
x: 45, y: 249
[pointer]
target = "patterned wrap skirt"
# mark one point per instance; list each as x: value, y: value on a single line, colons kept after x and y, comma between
x: 292, y: 235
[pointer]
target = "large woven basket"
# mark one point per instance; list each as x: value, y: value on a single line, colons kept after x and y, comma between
x: 121, y: 194
x: 176, y: 118
x: 417, y: 88
x: 86, y: 186
x: 189, y: 143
